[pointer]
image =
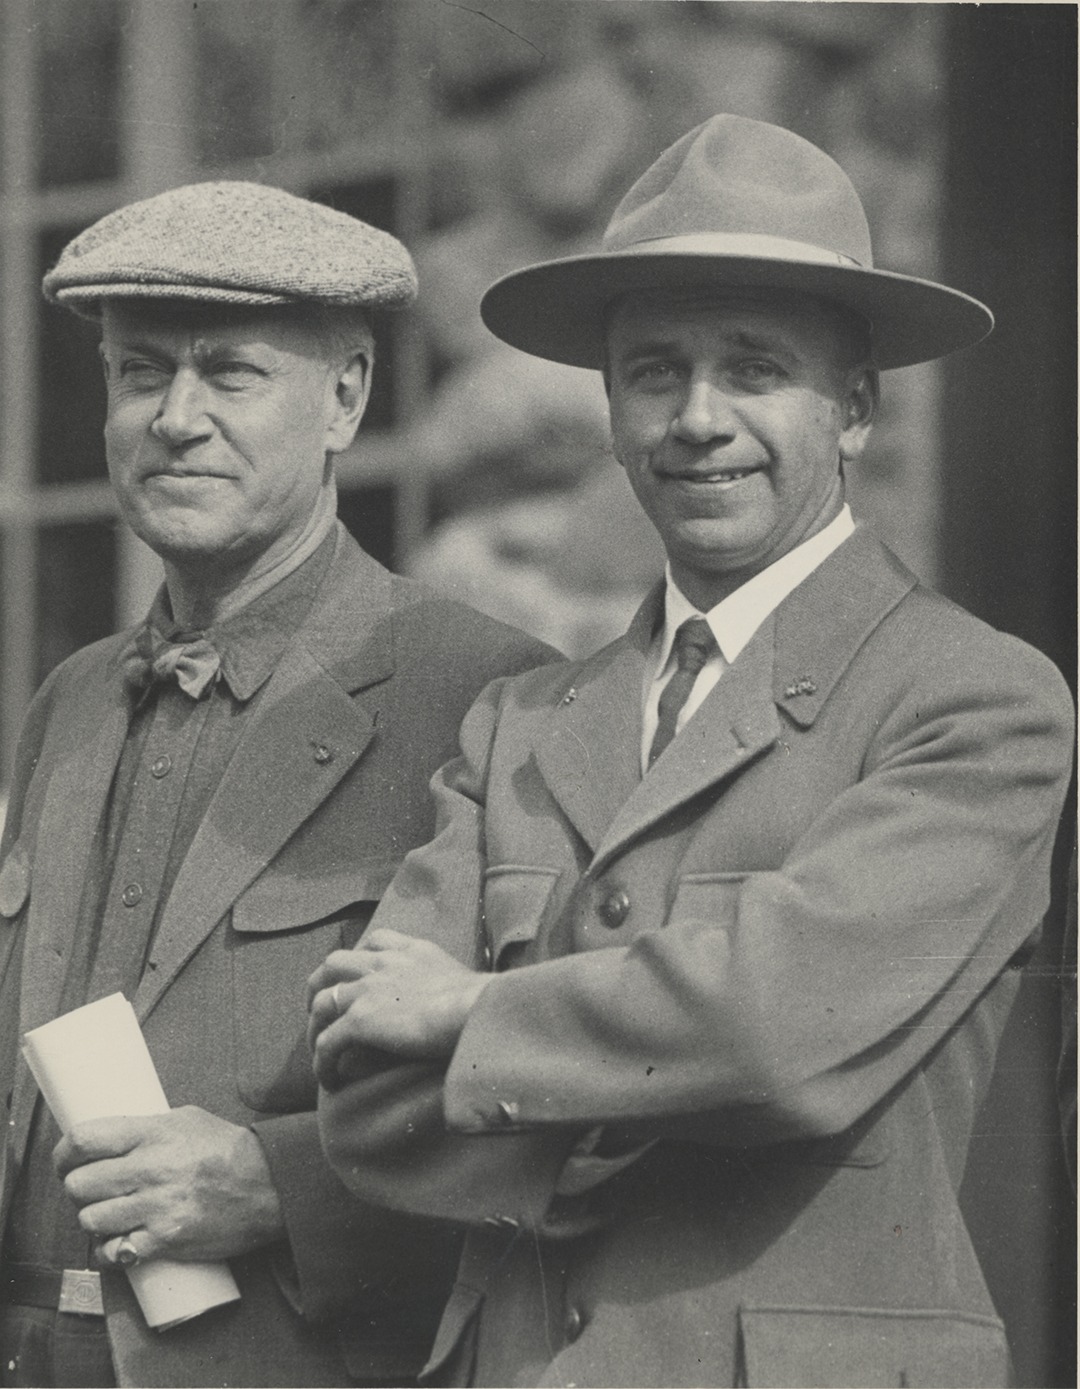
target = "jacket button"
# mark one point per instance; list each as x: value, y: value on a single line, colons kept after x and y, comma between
x: 614, y: 908
x: 161, y: 766
x: 131, y: 895
x: 574, y: 1324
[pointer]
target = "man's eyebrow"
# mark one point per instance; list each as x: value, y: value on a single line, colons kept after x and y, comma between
x: 649, y: 347
x: 134, y: 343
x: 743, y: 340
x: 763, y: 341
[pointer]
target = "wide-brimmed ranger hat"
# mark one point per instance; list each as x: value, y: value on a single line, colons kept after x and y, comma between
x: 734, y: 203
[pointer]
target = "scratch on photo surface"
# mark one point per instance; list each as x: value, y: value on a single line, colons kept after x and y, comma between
x: 491, y: 20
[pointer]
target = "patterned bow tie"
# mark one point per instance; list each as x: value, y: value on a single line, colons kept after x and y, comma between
x: 151, y: 659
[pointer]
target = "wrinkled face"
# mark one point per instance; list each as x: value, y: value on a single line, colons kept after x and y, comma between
x: 218, y: 430
x: 731, y: 413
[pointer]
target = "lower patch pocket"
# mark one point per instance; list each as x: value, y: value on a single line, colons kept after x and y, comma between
x: 270, y: 971
x: 870, y: 1347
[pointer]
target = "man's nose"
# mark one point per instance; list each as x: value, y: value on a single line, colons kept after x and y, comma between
x: 705, y: 413
x: 181, y: 417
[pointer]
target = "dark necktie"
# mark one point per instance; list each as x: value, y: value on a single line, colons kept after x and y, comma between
x: 151, y: 659
x: 694, y: 644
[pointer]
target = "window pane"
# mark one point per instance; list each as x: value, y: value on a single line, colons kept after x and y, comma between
x: 79, y: 75
x: 234, y: 64
x: 71, y: 392
x: 76, y: 586
x: 348, y: 45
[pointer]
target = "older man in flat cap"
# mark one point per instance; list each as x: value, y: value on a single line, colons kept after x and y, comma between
x: 203, y: 807
x: 732, y: 903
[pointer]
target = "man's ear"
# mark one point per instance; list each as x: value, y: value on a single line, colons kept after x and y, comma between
x: 351, y: 391
x: 859, y: 408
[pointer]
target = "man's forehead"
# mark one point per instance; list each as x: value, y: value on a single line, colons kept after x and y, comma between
x: 204, y: 321
x: 206, y: 325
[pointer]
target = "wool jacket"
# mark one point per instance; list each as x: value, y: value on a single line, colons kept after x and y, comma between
x: 707, y: 1124
x: 326, y: 792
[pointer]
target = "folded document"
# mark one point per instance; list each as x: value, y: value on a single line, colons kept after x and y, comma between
x: 93, y: 1063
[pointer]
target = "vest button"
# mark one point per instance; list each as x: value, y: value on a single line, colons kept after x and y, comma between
x: 614, y: 908
x: 161, y: 766
x: 574, y: 1324
x: 132, y: 895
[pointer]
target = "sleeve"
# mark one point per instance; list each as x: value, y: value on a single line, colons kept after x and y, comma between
x: 784, y: 1004
x: 772, y: 1005
x: 383, y: 1128
x: 340, y: 1248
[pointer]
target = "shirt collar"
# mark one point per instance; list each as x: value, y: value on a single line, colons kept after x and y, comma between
x: 735, y: 620
x: 251, y: 640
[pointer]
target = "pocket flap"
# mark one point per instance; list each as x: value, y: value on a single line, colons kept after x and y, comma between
x: 868, y: 1347
x: 280, y: 902
x: 14, y: 881
x: 711, y: 897
x: 515, y: 899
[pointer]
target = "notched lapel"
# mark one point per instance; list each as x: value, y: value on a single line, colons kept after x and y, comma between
x: 822, y: 624
x: 305, y: 738
x: 736, y: 722
x: 71, y: 814
x: 588, y: 751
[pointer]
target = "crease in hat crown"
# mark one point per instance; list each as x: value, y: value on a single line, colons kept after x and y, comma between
x: 232, y: 242
x: 734, y: 203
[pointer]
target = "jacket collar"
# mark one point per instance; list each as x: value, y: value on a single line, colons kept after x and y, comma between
x: 588, y: 750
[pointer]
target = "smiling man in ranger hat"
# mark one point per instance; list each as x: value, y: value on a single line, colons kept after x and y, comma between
x: 204, y: 806
x: 687, y: 1011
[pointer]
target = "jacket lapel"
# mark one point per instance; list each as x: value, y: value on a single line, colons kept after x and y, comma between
x: 71, y: 815
x: 588, y: 751
x: 737, y: 721
x: 310, y: 729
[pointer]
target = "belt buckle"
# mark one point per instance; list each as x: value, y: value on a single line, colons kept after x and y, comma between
x: 80, y: 1292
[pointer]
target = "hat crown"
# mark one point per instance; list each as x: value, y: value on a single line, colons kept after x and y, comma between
x: 232, y: 242
x: 735, y: 176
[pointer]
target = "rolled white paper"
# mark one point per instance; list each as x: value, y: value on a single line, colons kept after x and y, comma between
x: 93, y: 1063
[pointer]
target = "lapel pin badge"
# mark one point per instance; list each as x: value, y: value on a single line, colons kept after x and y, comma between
x: 569, y: 696
x: 805, y: 686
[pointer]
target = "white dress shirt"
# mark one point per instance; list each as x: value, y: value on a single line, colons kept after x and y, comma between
x: 733, y: 622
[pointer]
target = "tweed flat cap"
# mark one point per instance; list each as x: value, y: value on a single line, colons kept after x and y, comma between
x: 232, y: 243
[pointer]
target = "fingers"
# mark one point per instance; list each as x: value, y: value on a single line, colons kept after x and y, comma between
x: 383, y: 938
x: 327, y: 1006
x: 338, y: 967
x: 328, y: 1048
x: 100, y: 1138
x: 123, y: 1251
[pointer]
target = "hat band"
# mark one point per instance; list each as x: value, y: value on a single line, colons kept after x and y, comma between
x: 748, y: 244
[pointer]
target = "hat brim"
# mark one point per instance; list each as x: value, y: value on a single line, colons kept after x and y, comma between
x: 557, y: 309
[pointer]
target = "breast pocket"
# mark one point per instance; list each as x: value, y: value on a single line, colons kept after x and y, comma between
x: 870, y: 1346
x: 517, y: 902
x: 281, y: 929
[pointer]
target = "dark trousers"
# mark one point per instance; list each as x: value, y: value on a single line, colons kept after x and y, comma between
x: 54, y: 1350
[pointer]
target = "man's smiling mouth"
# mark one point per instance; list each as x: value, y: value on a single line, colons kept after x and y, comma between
x: 713, y: 475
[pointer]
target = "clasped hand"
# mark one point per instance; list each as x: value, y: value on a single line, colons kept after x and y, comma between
x: 182, y: 1185
x: 391, y: 992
